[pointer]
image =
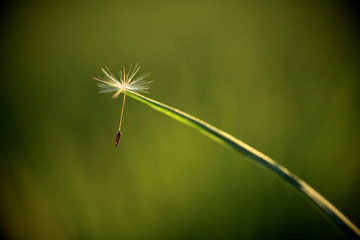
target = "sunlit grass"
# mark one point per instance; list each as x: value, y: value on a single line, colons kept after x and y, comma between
x: 333, y: 214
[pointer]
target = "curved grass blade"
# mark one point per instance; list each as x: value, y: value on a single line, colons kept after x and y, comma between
x: 334, y: 215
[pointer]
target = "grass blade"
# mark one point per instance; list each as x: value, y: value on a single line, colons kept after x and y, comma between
x: 334, y: 215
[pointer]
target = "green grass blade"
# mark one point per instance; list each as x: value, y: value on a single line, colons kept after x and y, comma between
x: 349, y: 228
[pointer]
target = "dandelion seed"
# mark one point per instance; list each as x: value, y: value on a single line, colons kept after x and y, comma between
x: 118, y: 136
x: 125, y: 82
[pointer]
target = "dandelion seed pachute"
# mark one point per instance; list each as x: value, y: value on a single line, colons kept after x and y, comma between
x: 126, y: 81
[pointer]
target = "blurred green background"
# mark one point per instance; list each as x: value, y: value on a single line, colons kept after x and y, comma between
x: 282, y: 77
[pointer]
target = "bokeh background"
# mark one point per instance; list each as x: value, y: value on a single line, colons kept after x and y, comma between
x: 283, y: 77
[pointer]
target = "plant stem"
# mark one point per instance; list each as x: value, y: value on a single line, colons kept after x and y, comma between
x: 334, y: 215
x: 122, y: 112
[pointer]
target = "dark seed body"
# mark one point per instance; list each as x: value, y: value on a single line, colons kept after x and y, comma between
x: 118, y: 137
